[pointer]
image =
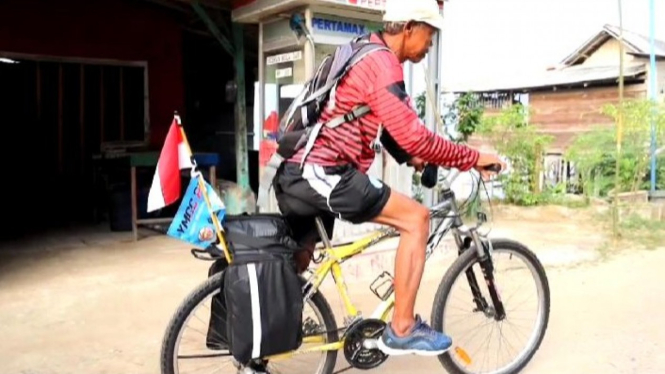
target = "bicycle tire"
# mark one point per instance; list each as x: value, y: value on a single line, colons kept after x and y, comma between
x: 214, y: 283
x: 457, y: 269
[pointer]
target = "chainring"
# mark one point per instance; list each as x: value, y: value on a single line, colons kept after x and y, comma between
x: 355, y: 352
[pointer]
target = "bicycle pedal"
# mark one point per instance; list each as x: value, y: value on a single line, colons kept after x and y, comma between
x: 247, y: 370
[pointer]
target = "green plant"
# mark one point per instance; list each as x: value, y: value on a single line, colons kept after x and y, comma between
x: 416, y: 187
x: 512, y: 136
x: 421, y: 102
x: 595, y: 154
x: 465, y: 116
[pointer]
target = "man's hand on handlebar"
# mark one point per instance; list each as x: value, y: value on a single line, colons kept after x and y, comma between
x: 417, y: 163
x: 489, y: 164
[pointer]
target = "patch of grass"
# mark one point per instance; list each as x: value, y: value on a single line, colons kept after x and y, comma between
x: 568, y: 202
x: 649, y: 234
x: 635, y: 232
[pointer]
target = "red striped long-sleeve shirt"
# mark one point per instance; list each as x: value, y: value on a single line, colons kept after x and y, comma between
x: 378, y: 81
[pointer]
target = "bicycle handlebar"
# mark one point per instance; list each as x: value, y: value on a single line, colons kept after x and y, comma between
x: 430, y: 176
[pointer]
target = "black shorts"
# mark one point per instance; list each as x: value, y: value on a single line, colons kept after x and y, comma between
x: 329, y: 192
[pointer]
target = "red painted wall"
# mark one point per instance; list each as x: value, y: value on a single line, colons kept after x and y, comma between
x: 110, y: 29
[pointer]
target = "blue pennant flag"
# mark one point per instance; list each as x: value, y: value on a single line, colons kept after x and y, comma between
x: 193, y: 222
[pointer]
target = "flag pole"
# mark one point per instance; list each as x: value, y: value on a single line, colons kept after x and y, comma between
x: 218, y: 227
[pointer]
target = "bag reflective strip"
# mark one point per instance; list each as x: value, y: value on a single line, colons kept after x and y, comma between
x: 256, y: 310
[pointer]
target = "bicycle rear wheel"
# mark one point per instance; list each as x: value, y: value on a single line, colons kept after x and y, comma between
x: 468, y: 274
x: 188, y: 325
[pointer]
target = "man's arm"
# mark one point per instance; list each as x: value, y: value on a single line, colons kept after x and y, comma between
x: 404, y: 134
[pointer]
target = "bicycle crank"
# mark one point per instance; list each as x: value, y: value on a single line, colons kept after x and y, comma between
x: 360, y: 344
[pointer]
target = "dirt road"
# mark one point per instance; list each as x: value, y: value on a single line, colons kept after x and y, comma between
x: 100, y: 305
x: 604, y: 319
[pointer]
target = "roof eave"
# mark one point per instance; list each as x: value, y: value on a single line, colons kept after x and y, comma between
x: 540, y: 87
x: 659, y: 57
x: 597, y: 39
x: 608, y: 31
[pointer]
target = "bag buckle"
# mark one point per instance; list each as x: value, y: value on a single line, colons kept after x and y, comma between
x: 376, y: 144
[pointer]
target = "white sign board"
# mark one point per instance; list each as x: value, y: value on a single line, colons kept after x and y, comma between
x: 284, y: 57
x: 283, y: 73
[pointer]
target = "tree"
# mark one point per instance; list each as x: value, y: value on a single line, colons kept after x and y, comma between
x: 595, y: 154
x: 465, y: 115
x: 511, y: 134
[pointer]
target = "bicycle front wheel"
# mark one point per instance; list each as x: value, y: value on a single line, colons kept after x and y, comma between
x: 190, y: 346
x: 491, y: 328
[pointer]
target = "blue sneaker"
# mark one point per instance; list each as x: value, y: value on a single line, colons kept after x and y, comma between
x: 422, y: 340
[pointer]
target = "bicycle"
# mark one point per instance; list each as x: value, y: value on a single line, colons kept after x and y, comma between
x: 359, y: 335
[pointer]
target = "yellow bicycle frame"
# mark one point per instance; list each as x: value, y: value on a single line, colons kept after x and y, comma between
x: 334, y: 256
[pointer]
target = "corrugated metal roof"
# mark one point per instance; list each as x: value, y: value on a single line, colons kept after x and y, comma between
x: 635, y: 43
x: 639, y: 42
x: 562, y: 77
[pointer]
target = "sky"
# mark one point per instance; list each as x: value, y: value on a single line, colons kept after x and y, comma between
x: 483, y: 38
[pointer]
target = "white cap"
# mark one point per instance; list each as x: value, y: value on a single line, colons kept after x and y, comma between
x: 414, y: 10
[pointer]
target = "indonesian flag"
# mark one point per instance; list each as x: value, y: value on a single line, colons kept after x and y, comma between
x: 175, y: 156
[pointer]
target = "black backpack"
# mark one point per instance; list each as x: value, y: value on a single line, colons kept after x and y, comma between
x: 300, y: 126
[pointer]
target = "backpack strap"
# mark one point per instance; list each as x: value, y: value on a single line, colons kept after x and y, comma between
x: 265, y: 184
x: 356, y: 113
x: 365, y: 50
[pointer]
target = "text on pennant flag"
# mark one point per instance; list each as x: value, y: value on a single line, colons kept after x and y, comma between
x: 193, y: 222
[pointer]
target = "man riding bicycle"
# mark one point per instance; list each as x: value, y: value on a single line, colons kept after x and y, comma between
x: 333, y: 183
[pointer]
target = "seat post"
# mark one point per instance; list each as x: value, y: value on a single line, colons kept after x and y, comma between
x: 322, y: 233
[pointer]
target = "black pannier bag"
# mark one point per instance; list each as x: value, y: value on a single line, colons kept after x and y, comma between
x: 216, y: 338
x: 261, y: 297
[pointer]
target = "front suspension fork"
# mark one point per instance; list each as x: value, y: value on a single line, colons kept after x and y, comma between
x: 485, y: 262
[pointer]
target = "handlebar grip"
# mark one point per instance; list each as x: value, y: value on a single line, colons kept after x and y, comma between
x: 493, y: 167
x: 429, y: 176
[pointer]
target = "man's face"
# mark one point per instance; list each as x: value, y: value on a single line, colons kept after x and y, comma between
x: 418, y: 40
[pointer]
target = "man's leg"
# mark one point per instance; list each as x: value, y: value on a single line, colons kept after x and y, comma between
x: 407, y: 333
x: 411, y: 219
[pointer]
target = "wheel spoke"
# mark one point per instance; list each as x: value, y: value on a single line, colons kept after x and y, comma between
x: 495, y: 350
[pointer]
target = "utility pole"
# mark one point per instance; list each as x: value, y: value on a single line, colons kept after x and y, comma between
x: 617, y: 180
x: 653, y: 94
